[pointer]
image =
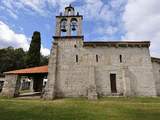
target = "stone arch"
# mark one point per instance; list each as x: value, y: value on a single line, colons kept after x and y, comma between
x: 63, y: 26
x: 74, y: 27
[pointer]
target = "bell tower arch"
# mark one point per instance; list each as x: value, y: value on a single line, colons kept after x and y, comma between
x: 69, y: 23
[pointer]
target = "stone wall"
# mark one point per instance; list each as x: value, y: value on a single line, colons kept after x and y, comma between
x: 49, y: 92
x: 156, y: 72
x: 134, y: 74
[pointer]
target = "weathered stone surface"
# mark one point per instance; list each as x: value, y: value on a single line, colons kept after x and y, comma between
x: 11, y: 86
x: 92, y: 93
x: 31, y: 85
x: 49, y: 92
x: 75, y: 70
x: 156, y: 73
x: 134, y: 75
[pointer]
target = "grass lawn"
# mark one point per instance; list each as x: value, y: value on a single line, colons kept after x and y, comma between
x: 81, y: 109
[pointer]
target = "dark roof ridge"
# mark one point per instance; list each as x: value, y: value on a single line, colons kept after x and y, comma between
x: 115, y: 41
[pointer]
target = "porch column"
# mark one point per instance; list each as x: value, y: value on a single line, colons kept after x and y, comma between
x: 11, y: 85
x: 31, y: 85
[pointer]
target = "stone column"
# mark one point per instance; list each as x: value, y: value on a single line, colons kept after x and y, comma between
x: 18, y: 85
x: 31, y: 85
x: 58, y: 27
x: 11, y: 85
x: 92, y: 92
x: 68, y: 27
x: 49, y: 91
x: 79, y: 26
x: 21, y: 84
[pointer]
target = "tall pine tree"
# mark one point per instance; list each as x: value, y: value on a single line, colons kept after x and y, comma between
x: 33, y: 55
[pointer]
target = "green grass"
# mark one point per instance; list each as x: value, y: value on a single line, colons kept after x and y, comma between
x: 81, y: 109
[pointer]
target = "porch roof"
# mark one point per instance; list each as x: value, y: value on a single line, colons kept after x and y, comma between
x: 32, y: 70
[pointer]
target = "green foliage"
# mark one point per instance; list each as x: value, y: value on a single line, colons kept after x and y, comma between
x: 81, y: 109
x: 44, y: 60
x: 33, y: 55
x: 11, y: 59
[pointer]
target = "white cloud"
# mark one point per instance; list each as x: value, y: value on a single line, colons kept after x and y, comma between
x: 96, y: 10
x: 106, y: 30
x: 33, y: 6
x: 142, y: 22
x: 45, y: 51
x: 111, y: 30
x: 10, y: 38
x: 91, y: 9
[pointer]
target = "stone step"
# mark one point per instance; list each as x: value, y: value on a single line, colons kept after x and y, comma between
x: 30, y: 94
x: 116, y: 94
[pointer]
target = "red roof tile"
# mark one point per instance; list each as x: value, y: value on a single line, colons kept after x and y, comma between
x: 33, y: 70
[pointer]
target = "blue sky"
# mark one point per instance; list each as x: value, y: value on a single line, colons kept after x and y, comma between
x: 104, y: 20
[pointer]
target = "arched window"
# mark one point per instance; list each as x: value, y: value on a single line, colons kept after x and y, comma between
x: 73, y: 27
x: 63, y: 27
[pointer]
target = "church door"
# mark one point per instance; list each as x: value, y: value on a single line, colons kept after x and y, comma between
x: 113, y: 83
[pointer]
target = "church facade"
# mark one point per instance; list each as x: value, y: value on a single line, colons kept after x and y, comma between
x: 90, y: 69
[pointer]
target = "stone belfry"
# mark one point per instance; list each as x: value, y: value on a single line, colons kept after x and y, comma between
x: 69, y: 23
x: 68, y: 27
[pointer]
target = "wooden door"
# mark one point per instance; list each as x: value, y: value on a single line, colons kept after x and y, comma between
x: 113, y: 83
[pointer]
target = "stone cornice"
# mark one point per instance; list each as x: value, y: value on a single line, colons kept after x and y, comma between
x: 119, y: 44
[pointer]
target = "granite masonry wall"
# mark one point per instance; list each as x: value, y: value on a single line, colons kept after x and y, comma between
x: 75, y: 63
x: 156, y: 73
x: 11, y: 85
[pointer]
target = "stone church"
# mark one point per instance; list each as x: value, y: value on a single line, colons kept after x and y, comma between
x: 90, y: 69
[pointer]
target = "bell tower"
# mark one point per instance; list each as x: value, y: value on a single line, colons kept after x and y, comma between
x: 69, y: 23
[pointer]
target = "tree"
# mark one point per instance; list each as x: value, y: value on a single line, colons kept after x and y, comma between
x: 33, y: 55
x: 11, y: 59
x: 44, y: 60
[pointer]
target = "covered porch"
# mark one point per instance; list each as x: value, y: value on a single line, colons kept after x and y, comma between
x: 25, y: 82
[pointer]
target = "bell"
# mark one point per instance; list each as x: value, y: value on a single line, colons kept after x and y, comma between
x: 63, y: 29
x: 73, y: 27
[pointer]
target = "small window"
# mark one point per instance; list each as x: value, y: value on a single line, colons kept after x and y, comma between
x: 75, y: 46
x: 120, y: 58
x: 96, y: 58
x: 76, y: 58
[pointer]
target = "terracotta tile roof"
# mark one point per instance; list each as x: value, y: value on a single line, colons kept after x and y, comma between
x: 33, y: 70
